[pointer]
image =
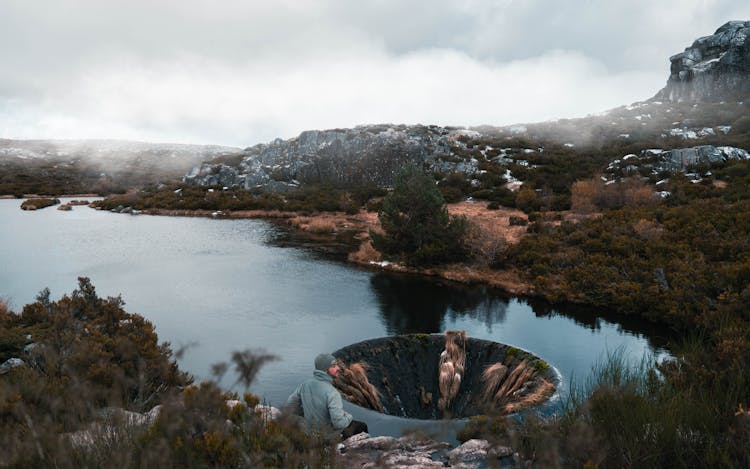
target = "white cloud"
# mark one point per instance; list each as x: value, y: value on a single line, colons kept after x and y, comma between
x: 240, y: 72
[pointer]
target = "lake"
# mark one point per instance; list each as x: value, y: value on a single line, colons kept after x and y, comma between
x: 216, y: 286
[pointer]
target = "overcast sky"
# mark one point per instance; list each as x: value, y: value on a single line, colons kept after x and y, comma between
x: 240, y: 72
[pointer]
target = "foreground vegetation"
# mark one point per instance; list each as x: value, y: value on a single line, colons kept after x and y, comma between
x: 683, y: 261
x: 92, y: 369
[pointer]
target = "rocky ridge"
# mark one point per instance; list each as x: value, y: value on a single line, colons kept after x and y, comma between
x: 713, y: 68
x: 703, y: 102
x: 365, y: 154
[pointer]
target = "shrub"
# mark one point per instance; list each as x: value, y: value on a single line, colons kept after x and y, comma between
x: 416, y: 223
x: 527, y: 199
x: 92, y: 358
x: 741, y: 125
x: 38, y: 203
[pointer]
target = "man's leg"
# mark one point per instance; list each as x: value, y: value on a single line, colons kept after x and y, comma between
x: 355, y: 427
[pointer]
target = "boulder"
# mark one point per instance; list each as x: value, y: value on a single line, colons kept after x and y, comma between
x: 11, y: 363
x: 363, y: 450
x: 470, y: 451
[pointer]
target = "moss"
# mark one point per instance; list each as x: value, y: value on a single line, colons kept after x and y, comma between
x: 423, y: 339
x: 511, y: 354
x: 540, y: 365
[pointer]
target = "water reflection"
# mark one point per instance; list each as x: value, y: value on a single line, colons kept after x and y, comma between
x: 658, y: 335
x: 410, y: 304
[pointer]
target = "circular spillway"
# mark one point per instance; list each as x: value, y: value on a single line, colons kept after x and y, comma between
x: 442, y: 376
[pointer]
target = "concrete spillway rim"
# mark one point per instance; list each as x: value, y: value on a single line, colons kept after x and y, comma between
x: 552, y: 373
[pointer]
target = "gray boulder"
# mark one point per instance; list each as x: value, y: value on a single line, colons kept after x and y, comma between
x: 713, y: 68
x: 362, y: 450
x: 11, y: 363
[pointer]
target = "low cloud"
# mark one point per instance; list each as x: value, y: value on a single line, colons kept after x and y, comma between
x: 241, y: 72
x: 198, y: 100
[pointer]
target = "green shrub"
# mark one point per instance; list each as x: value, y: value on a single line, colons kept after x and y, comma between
x: 416, y: 223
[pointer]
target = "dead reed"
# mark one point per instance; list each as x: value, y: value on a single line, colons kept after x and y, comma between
x: 452, y: 364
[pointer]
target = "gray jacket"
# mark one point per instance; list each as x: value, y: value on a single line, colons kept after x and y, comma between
x: 320, y: 403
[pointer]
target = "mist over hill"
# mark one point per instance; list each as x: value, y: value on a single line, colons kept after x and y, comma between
x: 703, y: 103
x: 693, y: 109
x: 101, y: 166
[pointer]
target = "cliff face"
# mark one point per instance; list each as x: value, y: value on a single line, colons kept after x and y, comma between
x: 366, y: 154
x: 713, y: 68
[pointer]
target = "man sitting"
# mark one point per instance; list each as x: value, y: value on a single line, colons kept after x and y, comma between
x: 320, y: 403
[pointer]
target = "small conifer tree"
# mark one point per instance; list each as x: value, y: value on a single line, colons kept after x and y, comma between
x: 416, y: 225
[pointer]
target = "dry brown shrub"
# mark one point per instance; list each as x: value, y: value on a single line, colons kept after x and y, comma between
x: 365, y: 254
x: 4, y: 310
x: 648, y: 230
x: 299, y: 222
x: 591, y: 195
x: 320, y: 226
x: 313, y: 225
x: 485, y: 243
x: 451, y: 366
x: 353, y: 383
x: 586, y: 195
x: 637, y: 193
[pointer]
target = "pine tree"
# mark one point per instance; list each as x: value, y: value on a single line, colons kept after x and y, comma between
x: 416, y: 224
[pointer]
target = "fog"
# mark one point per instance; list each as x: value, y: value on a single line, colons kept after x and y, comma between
x: 239, y: 73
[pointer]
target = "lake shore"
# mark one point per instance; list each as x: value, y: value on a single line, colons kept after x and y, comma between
x: 33, y: 196
x: 493, y: 226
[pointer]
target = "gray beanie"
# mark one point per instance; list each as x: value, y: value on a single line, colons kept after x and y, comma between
x: 324, y: 361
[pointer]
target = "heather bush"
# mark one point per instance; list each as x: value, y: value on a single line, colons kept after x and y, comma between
x: 95, y: 367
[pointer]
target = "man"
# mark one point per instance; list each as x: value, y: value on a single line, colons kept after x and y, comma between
x: 320, y: 403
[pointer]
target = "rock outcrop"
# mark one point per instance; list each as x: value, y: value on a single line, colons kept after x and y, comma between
x: 365, y: 154
x: 656, y: 161
x: 11, y: 363
x: 363, y: 450
x: 713, y: 68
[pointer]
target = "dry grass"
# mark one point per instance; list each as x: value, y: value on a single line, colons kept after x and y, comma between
x: 493, y: 223
x: 492, y: 377
x: 365, y: 254
x: 452, y: 364
x: 321, y: 226
x: 4, y: 310
x: 353, y: 383
x: 517, y: 378
x: 541, y: 393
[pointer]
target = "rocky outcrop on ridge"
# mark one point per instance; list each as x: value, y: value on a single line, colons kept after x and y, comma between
x: 365, y: 154
x: 656, y: 161
x: 713, y: 68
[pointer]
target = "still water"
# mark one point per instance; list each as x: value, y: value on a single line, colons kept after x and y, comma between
x: 216, y: 286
